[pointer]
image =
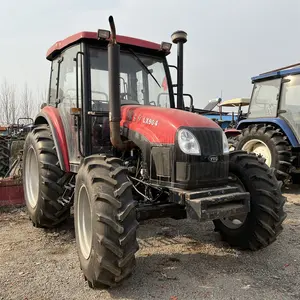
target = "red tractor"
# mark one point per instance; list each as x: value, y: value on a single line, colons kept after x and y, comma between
x: 112, y: 142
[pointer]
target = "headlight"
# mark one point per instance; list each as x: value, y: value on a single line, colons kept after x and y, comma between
x: 225, y: 144
x: 188, y: 143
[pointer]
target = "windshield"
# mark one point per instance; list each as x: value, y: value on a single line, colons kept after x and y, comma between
x: 136, y: 84
x: 264, y: 101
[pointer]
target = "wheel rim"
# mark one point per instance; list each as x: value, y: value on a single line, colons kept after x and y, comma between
x: 235, y: 222
x: 32, y: 177
x: 259, y: 148
x: 231, y: 147
x: 84, y: 222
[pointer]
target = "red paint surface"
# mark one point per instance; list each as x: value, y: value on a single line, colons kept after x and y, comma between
x: 168, y: 121
x: 53, y: 115
x: 164, y: 84
x: 94, y: 36
x: 11, y: 192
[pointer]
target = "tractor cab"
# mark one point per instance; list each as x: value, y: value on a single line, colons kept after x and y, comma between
x: 276, y: 95
x: 79, y: 84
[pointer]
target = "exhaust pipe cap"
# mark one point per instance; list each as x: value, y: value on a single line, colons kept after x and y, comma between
x: 179, y: 36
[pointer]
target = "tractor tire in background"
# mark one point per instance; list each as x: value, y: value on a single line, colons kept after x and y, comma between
x: 271, y: 144
x: 4, y: 156
x: 261, y: 226
x: 231, y: 142
x: 43, y: 180
x: 105, y: 221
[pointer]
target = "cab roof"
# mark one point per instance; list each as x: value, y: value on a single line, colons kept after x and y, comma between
x: 59, y: 46
x: 277, y: 73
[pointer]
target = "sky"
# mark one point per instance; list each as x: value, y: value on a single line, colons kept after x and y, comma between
x: 229, y: 41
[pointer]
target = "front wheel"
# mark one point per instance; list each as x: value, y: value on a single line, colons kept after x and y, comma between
x: 105, y: 221
x: 271, y: 144
x: 261, y: 226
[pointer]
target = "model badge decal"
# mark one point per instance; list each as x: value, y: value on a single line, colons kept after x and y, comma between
x: 150, y: 121
x: 213, y: 158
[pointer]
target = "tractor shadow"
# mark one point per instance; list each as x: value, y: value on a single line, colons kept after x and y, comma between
x: 65, y: 232
x: 293, y: 189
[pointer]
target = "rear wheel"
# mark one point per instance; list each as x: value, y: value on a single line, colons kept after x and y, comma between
x: 4, y: 156
x: 260, y: 227
x: 271, y: 144
x: 43, y: 180
x: 105, y: 221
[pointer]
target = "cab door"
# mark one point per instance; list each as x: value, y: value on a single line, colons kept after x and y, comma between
x: 66, y: 95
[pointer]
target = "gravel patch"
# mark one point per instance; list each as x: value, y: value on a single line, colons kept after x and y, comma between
x: 177, y: 260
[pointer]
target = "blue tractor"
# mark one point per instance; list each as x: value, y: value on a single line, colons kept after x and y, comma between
x: 272, y: 126
x: 225, y: 120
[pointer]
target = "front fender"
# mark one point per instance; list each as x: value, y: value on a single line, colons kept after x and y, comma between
x: 232, y: 132
x: 50, y: 115
x: 277, y: 122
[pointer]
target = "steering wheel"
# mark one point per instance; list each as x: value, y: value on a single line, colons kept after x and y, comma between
x: 100, y: 93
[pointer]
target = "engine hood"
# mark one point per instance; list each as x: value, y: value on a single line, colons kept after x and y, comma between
x: 158, y: 124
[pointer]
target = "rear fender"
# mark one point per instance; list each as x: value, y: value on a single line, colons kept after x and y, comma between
x: 276, y: 122
x: 50, y: 115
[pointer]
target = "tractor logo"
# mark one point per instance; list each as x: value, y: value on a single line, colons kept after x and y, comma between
x: 213, y: 158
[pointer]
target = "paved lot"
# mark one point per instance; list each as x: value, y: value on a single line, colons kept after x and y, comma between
x: 177, y: 260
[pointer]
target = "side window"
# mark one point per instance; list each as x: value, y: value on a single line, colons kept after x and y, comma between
x: 53, y: 82
x: 290, y: 94
x: 67, y: 78
x: 289, y: 102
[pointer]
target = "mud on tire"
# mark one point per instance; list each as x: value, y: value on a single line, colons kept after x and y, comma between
x: 106, y: 240
x: 264, y: 221
x: 43, y: 179
x: 276, y: 141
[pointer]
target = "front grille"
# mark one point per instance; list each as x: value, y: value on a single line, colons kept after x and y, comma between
x: 210, y: 140
x: 193, y: 171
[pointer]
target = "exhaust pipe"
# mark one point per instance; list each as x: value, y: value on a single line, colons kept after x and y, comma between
x: 179, y: 37
x: 114, y: 88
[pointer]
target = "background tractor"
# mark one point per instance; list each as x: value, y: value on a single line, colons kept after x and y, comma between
x: 226, y: 120
x: 12, y: 139
x: 272, y: 126
x: 112, y: 141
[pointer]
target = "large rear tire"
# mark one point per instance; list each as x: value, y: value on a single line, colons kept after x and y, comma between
x: 261, y: 226
x: 270, y: 143
x: 105, y: 221
x: 4, y: 156
x: 43, y: 180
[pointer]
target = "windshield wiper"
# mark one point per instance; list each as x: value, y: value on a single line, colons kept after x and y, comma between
x: 144, y: 66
